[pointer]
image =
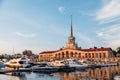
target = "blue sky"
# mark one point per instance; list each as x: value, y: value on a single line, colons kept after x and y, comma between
x: 43, y: 25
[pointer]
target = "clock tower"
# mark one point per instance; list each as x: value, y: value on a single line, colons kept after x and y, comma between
x: 71, y: 39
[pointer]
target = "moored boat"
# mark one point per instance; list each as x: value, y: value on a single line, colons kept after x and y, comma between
x: 75, y: 63
x: 19, y: 63
x: 56, y: 63
x: 46, y: 69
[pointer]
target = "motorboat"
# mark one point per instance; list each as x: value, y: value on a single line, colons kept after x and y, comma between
x: 105, y: 64
x: 24, y: 61
x: 20, y: 62
x: 46, y: 69
x: 2, y: 65
x: 13, y: 63
x: 56, y: 63
x: 75, y: 63
x: 111, y: 64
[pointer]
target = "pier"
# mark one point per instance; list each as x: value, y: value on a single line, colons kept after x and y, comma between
x: 52, y: 69
x: 40, y: 70
x: 20, y: 70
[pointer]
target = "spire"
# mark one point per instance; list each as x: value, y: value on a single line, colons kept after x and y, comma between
x: 71, y: 30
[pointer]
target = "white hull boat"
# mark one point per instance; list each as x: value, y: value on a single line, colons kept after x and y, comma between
x: 56, y: 64
x: 21, y: 62
x: 75, y: 63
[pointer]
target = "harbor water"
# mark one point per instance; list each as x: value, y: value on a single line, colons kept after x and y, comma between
x: 103, y: 73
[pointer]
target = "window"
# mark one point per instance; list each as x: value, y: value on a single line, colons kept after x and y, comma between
x: 100, y: 55
x: 71, y: 54
x: 62, y: 54
x: 86, y: 55
x: 92, y: 55
x: 75, y: 54
x: 96, y: 55
x: 104, y: 55
x: 89, y: 55
x: 67, y: 55
x: 79, y: 55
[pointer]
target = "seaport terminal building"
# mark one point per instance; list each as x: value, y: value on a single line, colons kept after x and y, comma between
x: 72, y: 50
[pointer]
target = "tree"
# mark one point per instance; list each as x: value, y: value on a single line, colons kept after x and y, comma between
x: 28, y: 53
x: 118, y: 50
x: 114, y: 53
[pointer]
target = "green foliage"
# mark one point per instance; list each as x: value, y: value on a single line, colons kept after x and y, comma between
x: 118, y: 50
x: 114, y: 52
x: 2, y: 57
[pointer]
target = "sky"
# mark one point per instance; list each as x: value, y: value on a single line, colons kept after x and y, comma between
x: 44, y: 25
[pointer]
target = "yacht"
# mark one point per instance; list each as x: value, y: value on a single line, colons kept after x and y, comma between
x: 24, y: 61
x: 21, y: 62
x: 13, y: 63
x: 1, y: 64
x: 75, y: 63
x: 56, y: 64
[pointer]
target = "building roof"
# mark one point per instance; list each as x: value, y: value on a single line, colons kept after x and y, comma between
x: 44, y: 52
x: 97, y: 49
x: 86, y: 50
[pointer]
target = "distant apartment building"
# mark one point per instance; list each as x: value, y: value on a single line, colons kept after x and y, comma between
x: 72, y: 50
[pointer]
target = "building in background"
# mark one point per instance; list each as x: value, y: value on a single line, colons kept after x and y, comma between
x: 72, y: 50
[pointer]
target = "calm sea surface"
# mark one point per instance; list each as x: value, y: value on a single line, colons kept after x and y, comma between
x: 104, y: 73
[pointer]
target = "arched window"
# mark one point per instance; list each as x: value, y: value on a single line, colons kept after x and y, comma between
x: 100, y: 55
x: 86, y: 55
x: 83, y: 57
x: 89, y: 55
x: 62, y: 54
x: 67, y: 55
x: 75, y: 54
x: 104, y: 55
x: 92, y: 55
x: 71, y: 54
x: 58, y: 55
x: 79, y: 55
x: 96, y: 55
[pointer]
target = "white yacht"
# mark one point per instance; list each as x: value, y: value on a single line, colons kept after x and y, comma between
x: 24, y: 61
x: 75, y: 63
x: 1, y: 64
x: 56, y: 64
x: 21, y: 62
x: 13, y: 63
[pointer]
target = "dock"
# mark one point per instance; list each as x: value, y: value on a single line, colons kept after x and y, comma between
x: 40, y: 70
x: 50, y: 69
x: 10, y: 71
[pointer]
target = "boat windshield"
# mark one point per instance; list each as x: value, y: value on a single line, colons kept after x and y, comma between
x: 22, y: 62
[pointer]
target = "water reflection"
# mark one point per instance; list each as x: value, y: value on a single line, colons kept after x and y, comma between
x: 105, y: 73
x: 21, y: 77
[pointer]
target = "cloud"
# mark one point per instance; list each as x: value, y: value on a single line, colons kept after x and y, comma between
x: 25, y: 35
x: 110, y: 11
x: 109, y: 14
x: 100, y: 34
x: 111, y: 35
x: 61, y: 9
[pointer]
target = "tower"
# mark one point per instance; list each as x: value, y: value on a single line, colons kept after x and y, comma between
x: 71, y: 39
